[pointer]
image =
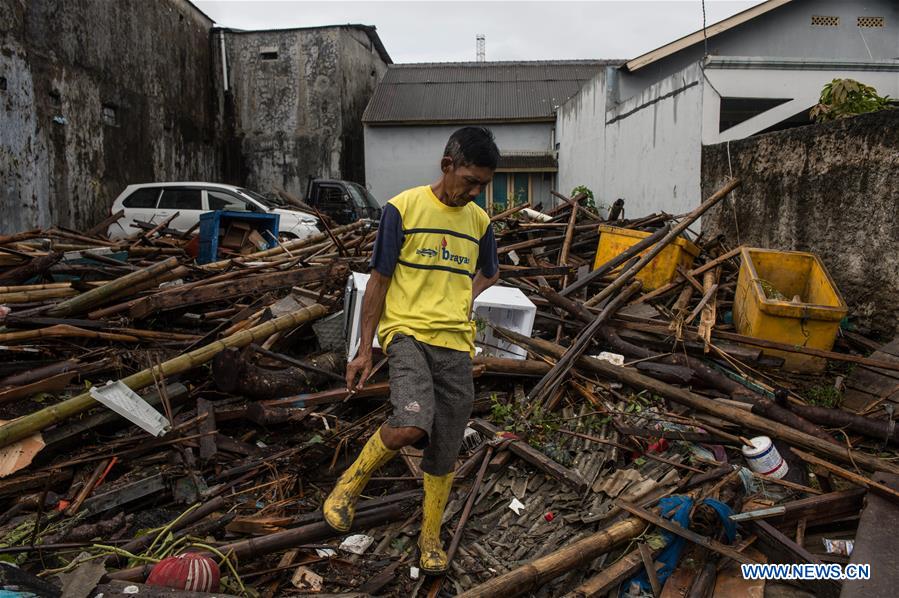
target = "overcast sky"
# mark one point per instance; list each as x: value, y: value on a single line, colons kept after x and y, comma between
x: 416, y: 31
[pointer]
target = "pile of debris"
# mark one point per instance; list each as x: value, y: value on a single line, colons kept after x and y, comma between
x: 152, y: 406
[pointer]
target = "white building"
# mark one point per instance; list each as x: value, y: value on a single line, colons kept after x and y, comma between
x: 636, y: 131
x: 416, y: 107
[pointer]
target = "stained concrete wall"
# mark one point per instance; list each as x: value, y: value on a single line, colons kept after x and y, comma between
x: 400, y: 157
x: 787, y: 31
x: 581, y: 139
x: 61, y: 63
x: 830, y: 189
x: 298, y: 99
x: 645, y: 149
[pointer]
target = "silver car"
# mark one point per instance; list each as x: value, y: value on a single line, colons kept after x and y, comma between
x: 155, y: 202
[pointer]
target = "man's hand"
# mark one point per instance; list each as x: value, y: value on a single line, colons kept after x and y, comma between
x: 360, y: 366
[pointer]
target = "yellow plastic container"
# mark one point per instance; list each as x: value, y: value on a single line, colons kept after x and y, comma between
x: 658, y: 272
x: 788, y: 297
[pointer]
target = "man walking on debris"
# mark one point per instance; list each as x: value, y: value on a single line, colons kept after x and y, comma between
x: 434, y: 254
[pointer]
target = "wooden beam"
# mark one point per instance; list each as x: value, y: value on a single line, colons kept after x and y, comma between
x: 875, y: 487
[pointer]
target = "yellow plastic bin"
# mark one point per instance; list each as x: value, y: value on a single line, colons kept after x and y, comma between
x: 658, y: 272
x: 788, y: 297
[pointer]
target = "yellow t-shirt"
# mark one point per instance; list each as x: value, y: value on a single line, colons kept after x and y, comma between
x: 431, y: 251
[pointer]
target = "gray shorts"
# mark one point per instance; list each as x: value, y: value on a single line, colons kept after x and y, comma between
x: 431, y: 388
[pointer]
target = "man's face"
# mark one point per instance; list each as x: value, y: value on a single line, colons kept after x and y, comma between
x: 464, y: 183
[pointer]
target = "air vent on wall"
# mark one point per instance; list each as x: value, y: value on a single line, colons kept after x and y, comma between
x: 870, y: 21
x: 825, y: 21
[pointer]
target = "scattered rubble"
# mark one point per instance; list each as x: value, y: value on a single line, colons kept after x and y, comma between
x: 623, y: 450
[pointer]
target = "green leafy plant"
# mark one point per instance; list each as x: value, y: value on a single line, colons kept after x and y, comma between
x: 824, y: 396
x: 514, y: 417
x: 588, y: 201
x: 501, y: 413
x: 842, y: 98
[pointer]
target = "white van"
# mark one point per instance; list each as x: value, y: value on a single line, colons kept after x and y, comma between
x: 155, y: 202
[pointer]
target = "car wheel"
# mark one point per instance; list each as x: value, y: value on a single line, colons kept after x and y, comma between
x: 285, y: 237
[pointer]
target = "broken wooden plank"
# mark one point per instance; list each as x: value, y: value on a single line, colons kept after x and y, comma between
x: 867, y: 386
x: 609, y: 578
x: 206, y: 427
x: 782, y: 549
x: 125, y: 493
x: 876, y: 544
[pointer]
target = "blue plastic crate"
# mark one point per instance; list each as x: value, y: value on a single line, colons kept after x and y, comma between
x: 212, y: 222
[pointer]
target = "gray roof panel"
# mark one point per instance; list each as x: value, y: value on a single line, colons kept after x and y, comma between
x: 477, y: 91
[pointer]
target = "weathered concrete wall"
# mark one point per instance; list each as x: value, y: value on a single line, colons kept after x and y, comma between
x: 299, y: 96
x: 645, y: 150
x: 400, y: 157
x: 146, y: 65
x: 360, y: 70
x: 581, y: 139
x: 829, y: 189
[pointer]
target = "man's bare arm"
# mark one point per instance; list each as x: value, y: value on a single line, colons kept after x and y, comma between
x: 372, y: 306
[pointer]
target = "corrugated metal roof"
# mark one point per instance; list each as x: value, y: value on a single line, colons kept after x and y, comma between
x: 477, y: 91
x: 544, y: 161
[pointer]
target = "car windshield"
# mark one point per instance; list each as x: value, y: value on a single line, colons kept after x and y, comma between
x: 258, y: 197
x: 362, y: 197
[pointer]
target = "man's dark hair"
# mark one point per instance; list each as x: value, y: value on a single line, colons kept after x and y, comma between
x: 472, y: 146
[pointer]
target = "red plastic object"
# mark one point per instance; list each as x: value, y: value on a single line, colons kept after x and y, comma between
x: 549, y: 516
x: 191, y: 571
x: 658, y: 447
x: 192, y: 248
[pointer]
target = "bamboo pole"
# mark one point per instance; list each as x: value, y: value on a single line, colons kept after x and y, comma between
x: 510, y: 211
x: 64, y: 330
x: 39, y: 420
x: 539, y: 571
x: 656, y: 249
x: 569, y: 230
x: 35, y: 287
x: 37, y: 295
x: 727, y: 412
x: 93, y: 297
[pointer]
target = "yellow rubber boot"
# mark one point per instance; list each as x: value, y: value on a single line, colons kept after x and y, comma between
x: 340, y: 506
x: 437, y: 489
